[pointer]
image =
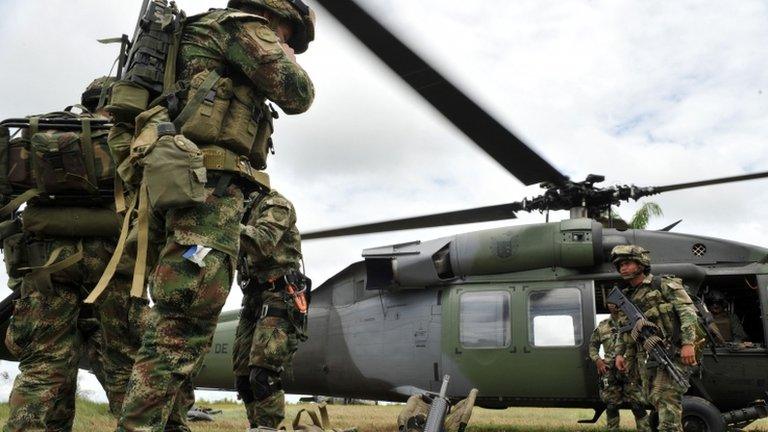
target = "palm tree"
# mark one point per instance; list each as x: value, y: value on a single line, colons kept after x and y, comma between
x: 639, y: 220
x: 644, y: 214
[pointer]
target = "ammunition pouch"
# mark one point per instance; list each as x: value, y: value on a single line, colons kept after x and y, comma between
x: 225, y: 115
x: 71, y: 221
x: 128, y: 100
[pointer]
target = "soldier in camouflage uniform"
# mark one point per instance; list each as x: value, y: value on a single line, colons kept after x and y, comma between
x: 254, y: 44
x: 50, y: 329
x: 270, y: 324
x: 616, y: 388
x: 728, y: 324
x: 666, y: 304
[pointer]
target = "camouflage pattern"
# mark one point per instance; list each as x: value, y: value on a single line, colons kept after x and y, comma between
x: 270, y: 241
x: 303, y: 24
x: 50, y: 329
x: 271, y: 248
x: 187, y: 301
x: 617, y: 388
x: 665, y: 307
x: 413, y: 416
x: 630, y: 252
x: 246, y: 45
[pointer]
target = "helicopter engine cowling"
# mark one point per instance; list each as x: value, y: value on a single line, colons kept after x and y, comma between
x: 572, y: 243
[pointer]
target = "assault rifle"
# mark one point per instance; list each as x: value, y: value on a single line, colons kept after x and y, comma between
x: 438, y: 409
x: 647, y: 335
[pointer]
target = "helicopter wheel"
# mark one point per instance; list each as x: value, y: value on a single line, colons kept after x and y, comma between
x: 700, y: 415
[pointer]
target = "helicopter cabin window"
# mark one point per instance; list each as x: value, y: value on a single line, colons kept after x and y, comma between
x: 734, y: 302
x: 554, y: 318
x: 485, y: 320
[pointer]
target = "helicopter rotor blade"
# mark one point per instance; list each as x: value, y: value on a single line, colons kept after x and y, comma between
x: 496, y: 140
x: 479, y: 214
x: 669, y: 188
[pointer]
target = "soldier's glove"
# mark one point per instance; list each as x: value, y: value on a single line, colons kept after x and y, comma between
x: 458, y: 419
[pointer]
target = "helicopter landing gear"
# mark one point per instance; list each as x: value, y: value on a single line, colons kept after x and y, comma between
x: 700, y: 415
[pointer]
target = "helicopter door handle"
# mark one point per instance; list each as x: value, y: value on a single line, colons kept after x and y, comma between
x: 527, y: 350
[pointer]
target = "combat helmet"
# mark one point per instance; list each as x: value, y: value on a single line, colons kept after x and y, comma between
x: 93, y: 93
x: 715, y: 296
x: 295, y: 11
x: 631, y: 253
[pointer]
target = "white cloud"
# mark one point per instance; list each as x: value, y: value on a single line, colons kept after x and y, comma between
x: 648, y: 93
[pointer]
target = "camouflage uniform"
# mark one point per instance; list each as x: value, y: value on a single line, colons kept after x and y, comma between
x: 617, y: 388
x: 271, y: 248
x: 50, y: 327
x: 188, y: 298
x: 664, y: 307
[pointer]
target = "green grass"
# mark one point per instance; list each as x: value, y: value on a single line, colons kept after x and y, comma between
x: 93, y: 417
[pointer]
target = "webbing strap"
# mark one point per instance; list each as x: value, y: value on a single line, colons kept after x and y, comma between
x: 42, y: 274
x: 86, y: 139
x: 34, y: 125
x: 109, y: 271
x: 15, y: 203
x: 142, y: 224
x: 312, y: 415
x: 169, y: 76
x: 197, y: 99
x: 324, y: 416
x: 120, y: 205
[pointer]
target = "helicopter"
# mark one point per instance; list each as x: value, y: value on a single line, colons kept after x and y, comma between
x: 391, y: 306
x: 496, y: 307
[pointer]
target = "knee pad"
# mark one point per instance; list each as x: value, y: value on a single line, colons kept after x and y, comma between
x: 264, y: 383
x: 243, y: 386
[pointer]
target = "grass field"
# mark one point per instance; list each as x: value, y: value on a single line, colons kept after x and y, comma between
x: 93, y: 417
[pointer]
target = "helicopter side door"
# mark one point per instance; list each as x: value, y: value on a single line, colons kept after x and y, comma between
x: 519, y: 342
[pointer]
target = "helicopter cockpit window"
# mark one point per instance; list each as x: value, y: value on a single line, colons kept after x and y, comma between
x: 554, y: 318
x: 485, y: 320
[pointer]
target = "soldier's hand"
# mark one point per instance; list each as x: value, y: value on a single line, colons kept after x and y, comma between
x: 688, y: 355
x: 602, y: 368
x: 621, y: 364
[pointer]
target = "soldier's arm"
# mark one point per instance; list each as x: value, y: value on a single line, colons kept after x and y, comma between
x: 260, y: 237
x: 254, y: 50
x: 594, y: 345
x: 675, y: 293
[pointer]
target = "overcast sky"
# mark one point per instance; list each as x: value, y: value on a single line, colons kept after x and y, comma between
x: 648, y: 92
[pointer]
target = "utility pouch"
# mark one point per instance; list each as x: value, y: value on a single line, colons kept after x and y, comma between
x: 72, y: 221
x: 241, y: 123
x: 262, y: 144
x: 119, y: 141
x: 174, y: 173
x: 59, y: 163
x: 130, y: 169
x: 204, y: 123
x: 127, y: 101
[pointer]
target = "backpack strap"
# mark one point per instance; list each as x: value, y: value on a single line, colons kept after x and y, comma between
x: 312, y: 415
x: 86, y: 140
x: 324, y: 419
x: 42, y: 274
x: 142, y: 224
x: 111, y: 268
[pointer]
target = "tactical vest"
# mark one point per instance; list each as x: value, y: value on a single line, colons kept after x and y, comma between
x: 61, y: 156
